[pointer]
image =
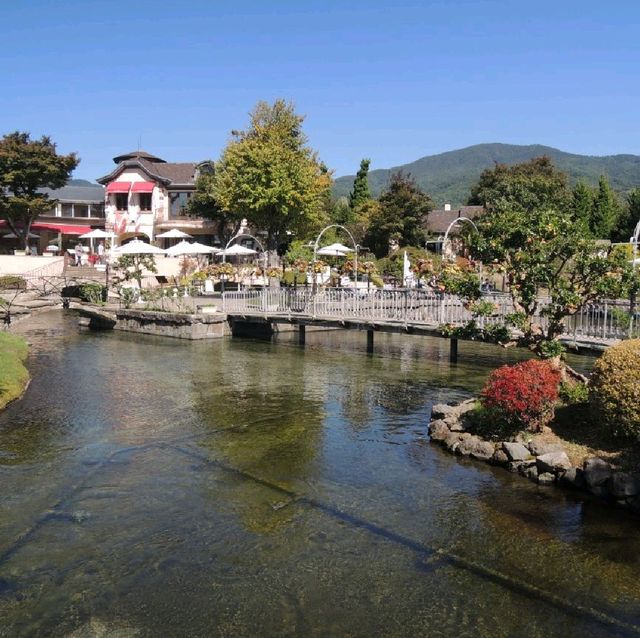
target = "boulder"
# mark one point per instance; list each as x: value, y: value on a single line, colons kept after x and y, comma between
x: 596, y: 472
x: 531, y: 472
x: 452, y: 441
x: 573, y: 477
x: 438, y: 430
x: 553, y: 463
x: 622, y: 485
x: 546, y: 478
x: 499, y: 457
x: 516, y: 451
x: 442, y: 410
x: 455, y: 424
x: 477, y: 448
x: 538, y: 448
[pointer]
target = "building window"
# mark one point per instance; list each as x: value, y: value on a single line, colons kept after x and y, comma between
x: 178, y: 202
x: 80, y: 210
x: 145, y: 201
x: 122, y: 201
x: 67, y: 210
x: 96, y: 210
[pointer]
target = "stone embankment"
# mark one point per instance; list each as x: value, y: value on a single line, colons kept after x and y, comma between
x: 543, y: 463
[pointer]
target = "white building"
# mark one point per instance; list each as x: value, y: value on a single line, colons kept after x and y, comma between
x: 145, y: 196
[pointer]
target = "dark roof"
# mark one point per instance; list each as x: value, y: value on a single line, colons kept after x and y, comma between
x: 176, y: 172
x: 170, y: 174
x: 93, y: 194
x: 439, y: 220
x: 137, y: 154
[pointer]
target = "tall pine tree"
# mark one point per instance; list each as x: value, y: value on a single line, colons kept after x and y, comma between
x: 582, y: 197
x: 360, y: 192
x: 605, y: 212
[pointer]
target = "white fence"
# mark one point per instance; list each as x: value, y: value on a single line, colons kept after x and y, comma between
x: 606, y: 320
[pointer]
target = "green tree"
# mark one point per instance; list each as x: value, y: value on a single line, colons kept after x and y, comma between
x: 270, y: 176
x: 605, y: 211
x: 341, y: 212
x: 203, y: 204
x: 582, y: 197
x: 550, y: 262
x: 628, y: 218
x: 401, y: 215
x: 26, y: 167
x: 525, y: 187
x: 360, y: 192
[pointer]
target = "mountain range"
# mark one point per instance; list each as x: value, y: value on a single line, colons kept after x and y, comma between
x: 448, y: 177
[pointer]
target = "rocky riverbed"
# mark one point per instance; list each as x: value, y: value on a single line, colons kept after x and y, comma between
x: 544, y: 463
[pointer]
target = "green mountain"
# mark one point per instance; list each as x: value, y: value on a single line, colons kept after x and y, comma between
x: 448, y: 177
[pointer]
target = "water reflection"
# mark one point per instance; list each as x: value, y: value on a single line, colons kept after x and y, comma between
x: 156, y: 487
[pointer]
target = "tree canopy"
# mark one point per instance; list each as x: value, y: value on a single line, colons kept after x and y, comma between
x: 399, y: 218
x: 529, y: 186
x: 545, y: 251
x: 27, y: 166
x: 203, y: 204
x: 269, y: 175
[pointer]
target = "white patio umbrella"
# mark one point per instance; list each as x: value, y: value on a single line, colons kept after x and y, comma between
x: 190, y: 248
x: 203, y: 249
x: 331, y: 252
x: 339, y: 247
x: 137, y: 247
x: 239, y: 250
x: 97, y: 233
x: 174, y: 233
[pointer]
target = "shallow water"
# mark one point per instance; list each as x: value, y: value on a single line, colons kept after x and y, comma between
x: 153, y: 487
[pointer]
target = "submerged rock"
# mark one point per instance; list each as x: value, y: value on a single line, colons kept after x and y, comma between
x: 573, y: 477
x: 546, y: 478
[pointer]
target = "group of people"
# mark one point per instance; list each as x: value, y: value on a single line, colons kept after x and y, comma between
x: 98, y: 257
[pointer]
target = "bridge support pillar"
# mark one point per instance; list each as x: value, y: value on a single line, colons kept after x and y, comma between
x: 301, y: 335
x: 453, y: 350
x: 370, y: 341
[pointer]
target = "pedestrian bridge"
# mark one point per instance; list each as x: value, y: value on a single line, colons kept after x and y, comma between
x: 411, y: 311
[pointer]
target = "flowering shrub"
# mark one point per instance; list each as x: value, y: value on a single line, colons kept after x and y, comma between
x: 523, y: 395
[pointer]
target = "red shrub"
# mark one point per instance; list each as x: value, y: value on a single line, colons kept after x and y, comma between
x: 522, y: 395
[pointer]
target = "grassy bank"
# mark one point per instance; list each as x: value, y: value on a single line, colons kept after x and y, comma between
x: 13, y: 375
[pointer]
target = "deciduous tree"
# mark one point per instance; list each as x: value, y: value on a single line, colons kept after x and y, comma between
x: 26, y: 167
x: 269, y: 175
x: 400, y: 217
x: 203, y: 204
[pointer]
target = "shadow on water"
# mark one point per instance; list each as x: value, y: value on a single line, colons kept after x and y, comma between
x: 156, y: 487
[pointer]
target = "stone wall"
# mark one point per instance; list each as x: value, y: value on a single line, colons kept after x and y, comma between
x: 179, y: 326
x: 545, y: 464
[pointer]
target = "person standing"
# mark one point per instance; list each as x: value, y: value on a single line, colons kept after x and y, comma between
x: 79, y: 250
x: 101, y: 253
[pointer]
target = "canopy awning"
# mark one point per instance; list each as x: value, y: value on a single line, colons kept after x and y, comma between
x: 119, y: 187
x: 65, y: 229
x: 142, y: 187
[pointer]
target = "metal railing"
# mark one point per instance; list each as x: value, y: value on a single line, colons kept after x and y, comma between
x: 606, y: 320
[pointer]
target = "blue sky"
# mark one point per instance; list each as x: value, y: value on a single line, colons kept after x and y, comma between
x: 392, y: 81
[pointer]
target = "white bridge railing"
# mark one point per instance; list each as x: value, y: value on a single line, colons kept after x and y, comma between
x: 606, y: 320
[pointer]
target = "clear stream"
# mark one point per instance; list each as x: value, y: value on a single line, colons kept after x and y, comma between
x: 152, y: 487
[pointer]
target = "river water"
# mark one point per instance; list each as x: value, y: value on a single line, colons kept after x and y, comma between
x: 153, y: 487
